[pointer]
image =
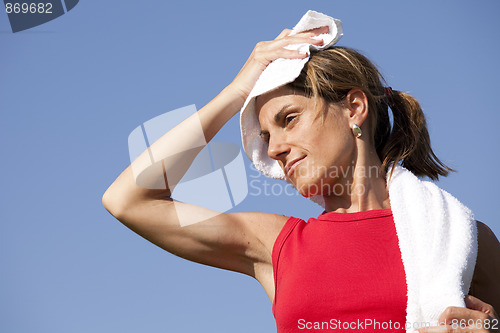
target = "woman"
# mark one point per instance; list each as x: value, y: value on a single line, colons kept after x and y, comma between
x: 324, y: 141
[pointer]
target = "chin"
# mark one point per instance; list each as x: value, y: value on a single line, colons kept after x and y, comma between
x: 309, y: 188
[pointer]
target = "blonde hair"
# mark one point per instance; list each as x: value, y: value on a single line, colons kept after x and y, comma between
x: 330, y: 74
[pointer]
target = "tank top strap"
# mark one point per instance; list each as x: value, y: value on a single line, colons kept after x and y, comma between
x: 278, y: 244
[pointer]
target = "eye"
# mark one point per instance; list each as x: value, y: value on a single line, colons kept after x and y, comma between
x: 290, y: 118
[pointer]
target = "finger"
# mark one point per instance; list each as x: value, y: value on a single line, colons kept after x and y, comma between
x: 461, y: 314
x: 291, y: 54
x: 266, y: 48
x: 299, y: 40
x: 266, y: 57
x: 310, y: 32
x: 318, y: 31
x: 284, y: 33
x: 476, y: 304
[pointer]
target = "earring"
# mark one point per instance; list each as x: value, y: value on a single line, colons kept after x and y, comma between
x: 356, y: 130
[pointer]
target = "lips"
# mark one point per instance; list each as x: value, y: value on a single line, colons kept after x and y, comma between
x: 292, y: 165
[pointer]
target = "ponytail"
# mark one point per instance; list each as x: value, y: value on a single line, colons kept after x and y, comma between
x: 409, y: 140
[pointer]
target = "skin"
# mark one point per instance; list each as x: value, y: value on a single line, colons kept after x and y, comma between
x: 243, y: 242
x: 334, y: 163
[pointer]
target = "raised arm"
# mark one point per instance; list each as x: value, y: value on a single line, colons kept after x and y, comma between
x: 235, y: 241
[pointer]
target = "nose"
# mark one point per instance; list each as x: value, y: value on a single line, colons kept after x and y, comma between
x: 278, y: 148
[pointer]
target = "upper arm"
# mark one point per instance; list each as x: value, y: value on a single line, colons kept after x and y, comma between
x: 486, y: 279
x: 233, y: 241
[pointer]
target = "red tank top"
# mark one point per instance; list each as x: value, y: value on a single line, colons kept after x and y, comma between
x: 340, y: 272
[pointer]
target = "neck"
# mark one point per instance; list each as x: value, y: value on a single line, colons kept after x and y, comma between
x: 364, y: 187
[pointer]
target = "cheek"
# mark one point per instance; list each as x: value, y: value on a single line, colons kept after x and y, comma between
x: 335, y: 147
x: 333, y: 159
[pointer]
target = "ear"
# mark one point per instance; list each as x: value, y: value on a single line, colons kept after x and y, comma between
x: 356, y: 103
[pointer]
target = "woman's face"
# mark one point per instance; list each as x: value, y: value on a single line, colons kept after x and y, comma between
x: 315, y: 154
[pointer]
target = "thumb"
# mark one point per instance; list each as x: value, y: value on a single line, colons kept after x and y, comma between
x: 474, y: 303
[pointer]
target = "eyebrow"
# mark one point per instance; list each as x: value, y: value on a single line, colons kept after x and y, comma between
x: 277, y: 117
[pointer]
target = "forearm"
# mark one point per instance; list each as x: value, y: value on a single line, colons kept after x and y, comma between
x: 154, y: 173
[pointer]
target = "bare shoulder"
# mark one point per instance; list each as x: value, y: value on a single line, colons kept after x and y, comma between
x: 485, y: 283
x: 487, y: 241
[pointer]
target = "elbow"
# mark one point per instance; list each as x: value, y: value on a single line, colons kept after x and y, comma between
x: 113, y: 203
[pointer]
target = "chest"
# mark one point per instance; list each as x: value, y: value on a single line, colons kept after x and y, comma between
x: 341, y: 271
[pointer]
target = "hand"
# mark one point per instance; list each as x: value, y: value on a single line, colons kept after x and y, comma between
x: 478, y: 317
x: 267, y: 51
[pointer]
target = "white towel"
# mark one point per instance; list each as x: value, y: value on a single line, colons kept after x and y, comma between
x: 438, y: 241
x: 278, y: 73
x: 437, y: 234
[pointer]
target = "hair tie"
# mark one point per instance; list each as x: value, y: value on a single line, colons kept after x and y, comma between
x: 388, y: 91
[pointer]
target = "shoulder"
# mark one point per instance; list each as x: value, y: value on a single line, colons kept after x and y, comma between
x: 487, y: 241
x: 485, y: 283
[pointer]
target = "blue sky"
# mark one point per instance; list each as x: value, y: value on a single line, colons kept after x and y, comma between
x: 74, y: 88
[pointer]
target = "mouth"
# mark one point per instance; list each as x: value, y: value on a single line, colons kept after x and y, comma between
x: 292, y: 165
